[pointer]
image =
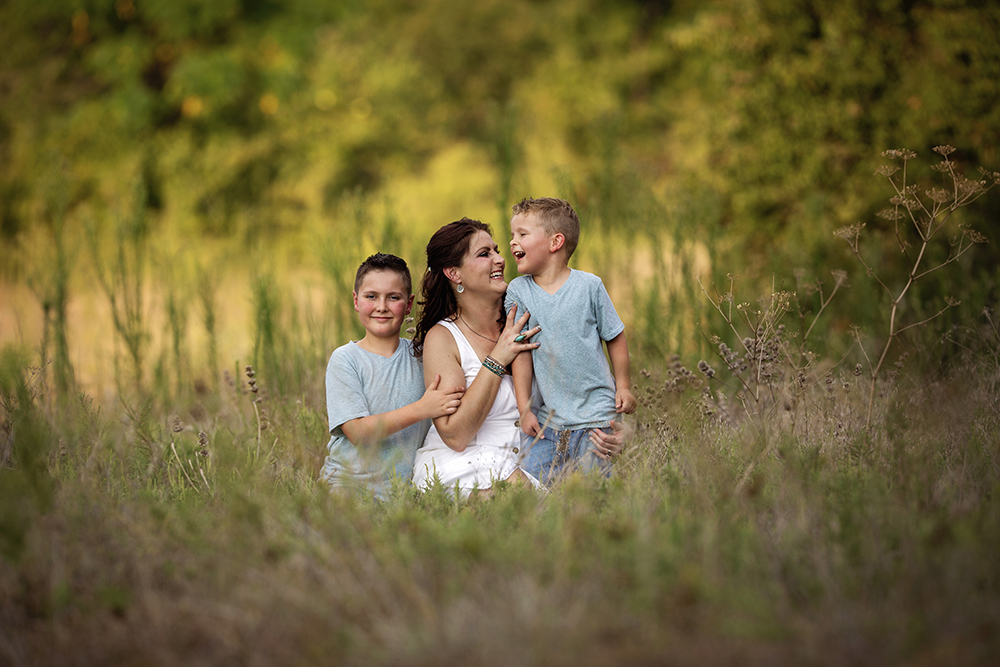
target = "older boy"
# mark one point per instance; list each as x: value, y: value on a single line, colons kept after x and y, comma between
x: 378, y: 409
x: 579, y: 391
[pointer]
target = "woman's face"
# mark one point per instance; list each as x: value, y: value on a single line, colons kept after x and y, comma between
x: 482, y: 267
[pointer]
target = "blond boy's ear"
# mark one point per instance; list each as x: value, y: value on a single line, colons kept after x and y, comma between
x: 356, y: 307
x: 556, y: 242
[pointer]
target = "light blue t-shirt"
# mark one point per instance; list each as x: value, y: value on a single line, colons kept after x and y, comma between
x: 573, y: 375
x: 360, y: 383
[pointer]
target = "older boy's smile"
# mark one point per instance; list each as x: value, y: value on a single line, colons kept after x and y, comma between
x: 382, y: 303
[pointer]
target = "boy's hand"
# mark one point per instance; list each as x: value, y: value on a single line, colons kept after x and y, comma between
x: 441, y: 402
x: 529, y: 423
x: 624, y: 401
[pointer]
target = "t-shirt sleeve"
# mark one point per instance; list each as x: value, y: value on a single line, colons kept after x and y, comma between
x: 345, y: 396
x: 609, y: 325
x: 514, y: 297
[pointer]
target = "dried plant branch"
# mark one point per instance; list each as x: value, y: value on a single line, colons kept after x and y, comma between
x: 962, y: 192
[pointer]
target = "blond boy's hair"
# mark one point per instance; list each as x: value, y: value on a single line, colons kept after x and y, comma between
x: 554, y: 215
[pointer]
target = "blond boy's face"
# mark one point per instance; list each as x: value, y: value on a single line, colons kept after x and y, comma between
x: 531, y: 246
x: 382, y: 302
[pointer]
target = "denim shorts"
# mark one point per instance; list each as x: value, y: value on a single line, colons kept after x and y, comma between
x: 553, y: 453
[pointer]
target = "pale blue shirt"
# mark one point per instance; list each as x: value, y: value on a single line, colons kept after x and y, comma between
x: 574, y: 378
x: 360, y: 383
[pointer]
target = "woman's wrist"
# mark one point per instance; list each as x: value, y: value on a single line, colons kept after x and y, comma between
x: 494, y: 366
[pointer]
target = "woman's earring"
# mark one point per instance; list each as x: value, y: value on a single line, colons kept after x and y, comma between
x: 460, y: 289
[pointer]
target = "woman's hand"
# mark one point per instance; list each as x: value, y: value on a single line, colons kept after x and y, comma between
x: 508, y: 346
x: 609, y: 445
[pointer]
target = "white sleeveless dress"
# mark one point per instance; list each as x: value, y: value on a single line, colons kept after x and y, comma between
x: 493, y: 454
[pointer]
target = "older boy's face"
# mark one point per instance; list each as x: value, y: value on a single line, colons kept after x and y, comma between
x: 382, y: 302
x: 528, y: 243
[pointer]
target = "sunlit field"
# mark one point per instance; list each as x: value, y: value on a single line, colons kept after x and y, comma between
x: 773, y: 506
x: 811, y: 476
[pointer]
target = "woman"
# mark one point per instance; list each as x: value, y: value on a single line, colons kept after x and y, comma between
x: 464, y: 338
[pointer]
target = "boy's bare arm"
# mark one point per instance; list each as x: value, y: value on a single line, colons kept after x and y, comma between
x: 522, y: 371
x: 434, y: 403
x: 618, y: 354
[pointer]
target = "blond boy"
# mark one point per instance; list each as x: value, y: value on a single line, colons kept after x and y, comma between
x: 579, y: 390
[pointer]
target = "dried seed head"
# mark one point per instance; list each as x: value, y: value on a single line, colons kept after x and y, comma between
x: 939, y: 195
x: 176, y: 426
x: 974, y: 236
x: 857, y: 370
x: 891, y: 214
x: 944, y: 150
x: 899, y: 154
x: 706, y: 369
x: 850, y: 232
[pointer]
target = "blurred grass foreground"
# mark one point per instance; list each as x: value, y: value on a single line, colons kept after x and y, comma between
x: 186, y: 189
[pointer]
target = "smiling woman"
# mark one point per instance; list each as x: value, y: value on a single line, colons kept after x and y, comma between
x: 463, y: 341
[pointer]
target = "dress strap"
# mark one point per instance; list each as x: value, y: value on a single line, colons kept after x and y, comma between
x: 465, y: 349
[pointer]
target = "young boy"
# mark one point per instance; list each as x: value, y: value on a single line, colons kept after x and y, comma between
x: 378, y: 409
x: 579, y: 391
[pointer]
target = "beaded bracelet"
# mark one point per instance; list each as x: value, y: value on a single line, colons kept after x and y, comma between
x: 494, y: 366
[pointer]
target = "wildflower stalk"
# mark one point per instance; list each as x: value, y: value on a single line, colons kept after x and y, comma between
x: 181, y: 464
x: 928, y: 215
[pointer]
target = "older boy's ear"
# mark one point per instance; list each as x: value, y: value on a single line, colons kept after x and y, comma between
x: 409, y: 303
x: 356, y: 307
x: 556, y: 242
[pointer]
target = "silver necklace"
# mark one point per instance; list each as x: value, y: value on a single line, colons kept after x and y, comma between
x: 492, y: 340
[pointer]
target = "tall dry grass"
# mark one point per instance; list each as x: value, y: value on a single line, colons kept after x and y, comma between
x: 198, y: 536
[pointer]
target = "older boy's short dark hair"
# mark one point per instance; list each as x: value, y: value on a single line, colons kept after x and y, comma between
x: 381, y: 261
x: 555, y: 216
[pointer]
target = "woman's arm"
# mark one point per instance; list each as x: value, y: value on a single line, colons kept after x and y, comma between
x: 441, y: 356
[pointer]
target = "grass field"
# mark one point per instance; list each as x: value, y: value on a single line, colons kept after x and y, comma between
x: 775, y: 531
x: 775, y: 504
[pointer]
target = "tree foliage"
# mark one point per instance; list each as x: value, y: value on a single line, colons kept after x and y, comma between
x: 750, y: 125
